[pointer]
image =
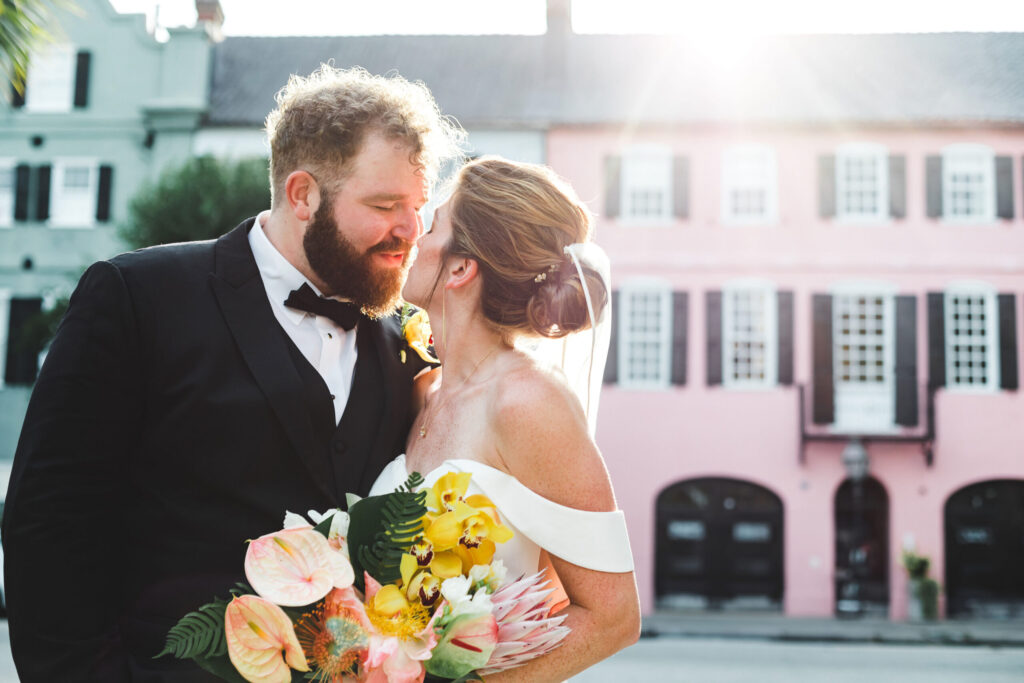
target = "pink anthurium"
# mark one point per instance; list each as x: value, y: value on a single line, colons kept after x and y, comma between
x: 261, y: 641
x: 295, y: 567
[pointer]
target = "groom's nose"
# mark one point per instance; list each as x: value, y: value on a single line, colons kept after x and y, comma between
x: 409, y: 225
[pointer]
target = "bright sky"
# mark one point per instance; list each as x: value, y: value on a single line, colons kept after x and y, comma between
x: 703, y: 17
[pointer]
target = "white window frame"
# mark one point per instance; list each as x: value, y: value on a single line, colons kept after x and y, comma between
x: 638, y: 163
x: 732, y: 160
x: 961, y: 153
x: 8, y: 165
x: 50, y: 84
x: 862, y: 150
x: 5, y: 321
x: 974, y: 288
x: 853, y: 423
x: 664, y: 334
x: 60, y: 215
x: 771, y: 331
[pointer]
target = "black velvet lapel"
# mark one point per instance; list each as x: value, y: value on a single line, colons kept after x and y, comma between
x: 243, y: 301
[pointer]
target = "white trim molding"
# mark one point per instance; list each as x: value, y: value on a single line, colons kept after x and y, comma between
x: 968, y: 184
x: 862, y: 172
x: 971, y: 327
x: 750, y: 186
x: 750, y: 329
x: 645, y: 334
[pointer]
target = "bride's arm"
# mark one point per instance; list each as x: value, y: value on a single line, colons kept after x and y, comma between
x: 540, y: 435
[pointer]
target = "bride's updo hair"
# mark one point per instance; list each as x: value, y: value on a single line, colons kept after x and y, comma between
x: 515, y: 220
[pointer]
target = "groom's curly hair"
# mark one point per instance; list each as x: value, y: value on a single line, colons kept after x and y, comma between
x: 321, y: 120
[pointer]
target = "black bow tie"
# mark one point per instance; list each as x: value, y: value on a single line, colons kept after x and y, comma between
x: 343, y: 313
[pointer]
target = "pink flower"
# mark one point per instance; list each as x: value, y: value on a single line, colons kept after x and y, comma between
x: 524, y: 629
x: 257, y: 633
x: 296, y: 567
x: 401, y: 639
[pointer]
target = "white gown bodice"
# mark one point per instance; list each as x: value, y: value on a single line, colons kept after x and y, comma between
x: 594, y: 540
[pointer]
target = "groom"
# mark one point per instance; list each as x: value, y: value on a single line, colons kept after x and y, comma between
x: 195, y: 392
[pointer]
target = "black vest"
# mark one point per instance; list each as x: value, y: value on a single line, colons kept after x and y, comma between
x: 347, y: 445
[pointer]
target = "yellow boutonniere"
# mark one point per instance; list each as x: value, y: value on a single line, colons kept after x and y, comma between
x: 416, y: 330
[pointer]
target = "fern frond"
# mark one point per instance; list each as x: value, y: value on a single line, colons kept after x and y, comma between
x: 411, y: 483
x: 400, y: 522
x: 198, y: 634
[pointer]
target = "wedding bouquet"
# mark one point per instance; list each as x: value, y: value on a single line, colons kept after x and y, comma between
x: 402, y: 586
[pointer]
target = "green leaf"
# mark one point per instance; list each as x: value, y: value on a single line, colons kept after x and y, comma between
x: 414, y: 480
x: 220, y: 666
x: 324, y: 527
x: 381, y: 529
x: 198, y: 634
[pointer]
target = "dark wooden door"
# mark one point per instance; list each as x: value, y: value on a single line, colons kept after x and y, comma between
x: 718, y: 540
x: 862, y: 548
x: 985, y: 549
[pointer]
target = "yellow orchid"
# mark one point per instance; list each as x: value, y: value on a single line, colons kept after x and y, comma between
x: 416, y: 330
x: 447, y: 491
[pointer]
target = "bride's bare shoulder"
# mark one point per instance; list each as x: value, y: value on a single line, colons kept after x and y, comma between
x: 540, y: 434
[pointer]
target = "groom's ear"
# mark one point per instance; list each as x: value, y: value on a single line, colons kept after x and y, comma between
x: 303, y: 194
x: 461, y: 272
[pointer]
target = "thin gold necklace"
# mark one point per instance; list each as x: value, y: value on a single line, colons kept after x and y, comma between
x: 427, y: 416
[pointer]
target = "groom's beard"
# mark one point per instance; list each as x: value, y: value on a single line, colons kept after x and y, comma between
x: 350, y: 274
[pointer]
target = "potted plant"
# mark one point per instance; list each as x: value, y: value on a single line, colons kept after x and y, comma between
x: 923, y: 593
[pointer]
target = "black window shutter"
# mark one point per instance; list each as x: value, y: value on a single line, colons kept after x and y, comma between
x: 18, y: 98
x: 82, y: 79
x: 784, y: 319
x: 680, y: 317
x: 1008, y: 342
x: 1004, y: 187
x: 611, y: 366
x: 933, y: 185
x: 103, y: 200
x: 22, y: 358
x: 827, y: 185
x: 612, y: 187
x: 936, y: 339
x: 713, y: 318
x: 897, y: 186
x: 681, y: 187
x: 824, y: 384
x: 906, y: 361
x: 22, y: 181
x: 43, y: 175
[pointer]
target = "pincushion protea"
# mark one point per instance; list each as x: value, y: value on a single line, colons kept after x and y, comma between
x: 525, y: 630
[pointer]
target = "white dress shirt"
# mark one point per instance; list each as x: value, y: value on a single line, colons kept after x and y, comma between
x: 327, y: 347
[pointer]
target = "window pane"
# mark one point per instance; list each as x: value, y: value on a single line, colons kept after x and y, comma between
x: 645, y: 334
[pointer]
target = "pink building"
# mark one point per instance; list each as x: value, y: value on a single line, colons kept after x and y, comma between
x: 818, y: 255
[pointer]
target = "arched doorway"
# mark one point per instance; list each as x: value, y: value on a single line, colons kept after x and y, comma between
x: 862, y: 548
x: 985, y: 549
x: 718, y: 545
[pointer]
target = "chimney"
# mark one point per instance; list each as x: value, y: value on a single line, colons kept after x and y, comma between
x: 559, y: 17
x: 210, y: 15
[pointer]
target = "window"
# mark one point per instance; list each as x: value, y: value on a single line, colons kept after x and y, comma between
x: 862, y: 182
x: 972, y: 337
x: 645, y: 329
x: 75, y: 186
x: 51, y: 79
x: 647, y: 184
x: 749, y: 335
x: 863, y: 335
x: 968, y: 183
x: 749, y: 187
x: 6, y: 192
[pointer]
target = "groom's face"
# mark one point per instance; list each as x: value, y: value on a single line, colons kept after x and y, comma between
x: 360, y: 239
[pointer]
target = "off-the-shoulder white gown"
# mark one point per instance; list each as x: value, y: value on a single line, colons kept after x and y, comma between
x: 594, y: 540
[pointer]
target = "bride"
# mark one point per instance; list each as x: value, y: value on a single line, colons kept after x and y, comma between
x: 493, y: 271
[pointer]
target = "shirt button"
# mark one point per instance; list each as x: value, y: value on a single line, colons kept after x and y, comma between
x: 330, y: 336
x: 332, y: 397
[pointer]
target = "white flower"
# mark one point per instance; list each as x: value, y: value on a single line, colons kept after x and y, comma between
x: 488, y: 576
x: 339, y: 525
x: 456, y: 591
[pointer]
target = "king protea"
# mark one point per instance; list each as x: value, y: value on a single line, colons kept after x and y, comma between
x: 525, y: 630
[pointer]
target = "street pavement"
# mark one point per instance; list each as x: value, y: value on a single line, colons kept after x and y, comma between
x: 746, y: 658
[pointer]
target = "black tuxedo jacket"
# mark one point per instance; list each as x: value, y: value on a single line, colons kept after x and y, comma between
x: 173, y: 419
